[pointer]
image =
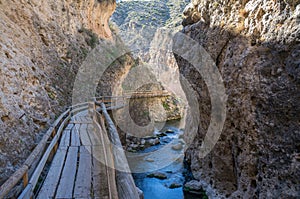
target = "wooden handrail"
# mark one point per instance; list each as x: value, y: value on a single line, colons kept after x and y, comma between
x: 129, y: 93
x: 125, y: 182
x: 108, y: 158
x: 53, y: 133
x: 37, y: 153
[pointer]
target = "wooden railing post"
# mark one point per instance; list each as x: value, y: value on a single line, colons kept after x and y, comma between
x: 25, y: 179
x: 53, y: 133
x: 91, y: 108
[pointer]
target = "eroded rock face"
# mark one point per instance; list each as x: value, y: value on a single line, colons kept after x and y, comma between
x: 42, y: 44
x: 255, y: 45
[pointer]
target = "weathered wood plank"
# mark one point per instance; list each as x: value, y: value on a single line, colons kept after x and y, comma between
x: 65, y: 139
x: 88, y: 118
x: 94, y: 136
x: 108, y: 185
x: 69, y: 126
x: 37, y: 172
x: 51, y: 182
x: 84, y: 137
x: 83, y: 181
x: 27, y: 193
x: 99, y: 174
x: 66, y: 184
x: 75, y: 141
x: 77, y: 122
x: 110, y: 171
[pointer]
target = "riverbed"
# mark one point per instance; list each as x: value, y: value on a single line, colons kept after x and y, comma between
x: 171, y: 186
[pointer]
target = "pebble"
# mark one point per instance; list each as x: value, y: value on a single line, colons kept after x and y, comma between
x: 154, y: 141
x: 149, y: 160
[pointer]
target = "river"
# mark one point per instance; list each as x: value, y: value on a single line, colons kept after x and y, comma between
x: 155, y: 188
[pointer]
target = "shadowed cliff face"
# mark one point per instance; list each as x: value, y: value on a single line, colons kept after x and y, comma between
x: 42, y: 45
x: 255, y: 45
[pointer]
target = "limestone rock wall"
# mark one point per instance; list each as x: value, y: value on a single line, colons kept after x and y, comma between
x: 42, y: 44
x: 255, y: 45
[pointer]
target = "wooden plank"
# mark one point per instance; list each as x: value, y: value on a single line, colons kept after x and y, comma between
x: 94, y: 136
x: 77, y: 122
x: 108, y: 185
x: 109, y: 160
x: 80, y: 117
x: 100, y: 179
x: 75, y: 141
x: 88, y: 118
x: 65, y: 139
x: 84, y: 137
x: 83, y: 181
x: 74, y: 119
x: 66, y: 184
x: 77, y: 110
x: 51, y: 182
x: 69, y: 126
x: 27, y: 193
x: 37, y: 172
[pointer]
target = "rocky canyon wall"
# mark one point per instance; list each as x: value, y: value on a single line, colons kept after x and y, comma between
x: 256, y: 47
x: 42, y: 44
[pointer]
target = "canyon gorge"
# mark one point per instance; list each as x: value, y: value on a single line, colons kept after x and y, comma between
x: 255, y: 47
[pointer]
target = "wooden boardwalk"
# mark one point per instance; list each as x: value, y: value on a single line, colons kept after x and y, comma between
x: 80, y: 157
x: 74, y: 172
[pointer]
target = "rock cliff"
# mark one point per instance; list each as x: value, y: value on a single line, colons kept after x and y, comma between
x: 255, y: 45
x: 42, y: 45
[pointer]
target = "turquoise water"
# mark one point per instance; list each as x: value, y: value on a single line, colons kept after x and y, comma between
x: 154, y: 188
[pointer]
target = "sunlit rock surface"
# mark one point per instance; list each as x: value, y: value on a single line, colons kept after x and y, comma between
x: 42, y: 45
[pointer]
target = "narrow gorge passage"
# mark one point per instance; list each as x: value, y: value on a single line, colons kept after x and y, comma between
x: 205, y: 97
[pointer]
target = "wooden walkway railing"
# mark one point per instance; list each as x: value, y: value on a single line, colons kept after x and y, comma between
x: 25, y: 179
x: 125, y: 182
x: 34, y: 164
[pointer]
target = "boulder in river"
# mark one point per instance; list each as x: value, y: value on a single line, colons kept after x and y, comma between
x: 194, y: 187
x: 143, y: 141
x: 158, y: 175
x: 181, y: 135
x: 177, y: 147
x: 161, y: 134
x: 169, y: 131
x: 154, y: 141
x: 174, y: 185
